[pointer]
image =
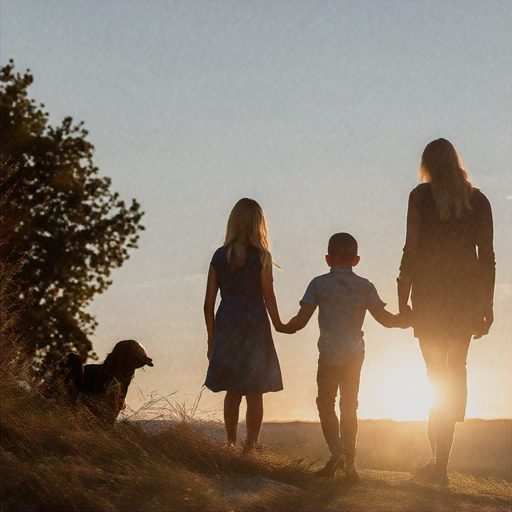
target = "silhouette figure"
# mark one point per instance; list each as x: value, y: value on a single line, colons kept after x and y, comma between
x: 448, y: 270
x: 342, y: 298
x: 243, y: 359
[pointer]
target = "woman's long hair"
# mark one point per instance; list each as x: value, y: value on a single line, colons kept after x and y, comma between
x: 247, y: 225
x: 441, y: 166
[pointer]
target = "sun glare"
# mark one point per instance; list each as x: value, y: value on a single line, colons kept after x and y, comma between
x: 403, y: 396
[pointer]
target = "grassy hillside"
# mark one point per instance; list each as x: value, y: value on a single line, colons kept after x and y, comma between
x: 55, y: 460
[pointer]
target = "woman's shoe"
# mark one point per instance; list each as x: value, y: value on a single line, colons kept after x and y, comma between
x: 426, y: 470
x: 440, y: 477
x: 351, y: 474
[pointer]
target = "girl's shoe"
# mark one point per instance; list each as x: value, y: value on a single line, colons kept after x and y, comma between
x: 229, y: 447
x: 252, y: 447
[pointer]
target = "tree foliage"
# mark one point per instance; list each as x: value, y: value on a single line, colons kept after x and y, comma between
x: 62, y: 218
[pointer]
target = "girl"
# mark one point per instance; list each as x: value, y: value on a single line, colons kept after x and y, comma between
x: 448, y: 262
x: 243, y: 360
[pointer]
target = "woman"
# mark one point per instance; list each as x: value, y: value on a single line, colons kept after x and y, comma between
x: 449, y: 264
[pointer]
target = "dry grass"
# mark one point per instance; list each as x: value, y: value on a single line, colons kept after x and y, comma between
x: 57, y: 460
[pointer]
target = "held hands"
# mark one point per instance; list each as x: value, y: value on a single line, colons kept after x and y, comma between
x: 288, y: 329
x: 404, y: 318
x: 285, y: 328
x: 403, y: 321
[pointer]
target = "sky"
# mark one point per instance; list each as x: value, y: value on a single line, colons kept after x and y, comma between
x: 318, y: 110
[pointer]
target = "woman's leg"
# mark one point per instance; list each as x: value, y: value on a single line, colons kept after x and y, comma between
x: 431, y: 432
x: 446, y: 369
x: 435, y: 356
x: 231, y: 412
x: 254, y: 419
x: 456, y: 398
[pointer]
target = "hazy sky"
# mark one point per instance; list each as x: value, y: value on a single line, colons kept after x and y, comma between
x: 318, y: 110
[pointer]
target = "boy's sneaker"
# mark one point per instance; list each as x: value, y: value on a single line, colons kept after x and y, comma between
x: 351, y: 474
x: 335, y: 462
x: 432, y: 473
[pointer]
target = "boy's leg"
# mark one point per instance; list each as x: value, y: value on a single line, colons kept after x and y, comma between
x: 231, y: 411
x: 327, y: 380
x: 254, y: 419
x: 349, y: 389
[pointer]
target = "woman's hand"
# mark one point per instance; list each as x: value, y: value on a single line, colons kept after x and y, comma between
x: 405, y: 312
x: 485, y: 325
x: 403, y: 321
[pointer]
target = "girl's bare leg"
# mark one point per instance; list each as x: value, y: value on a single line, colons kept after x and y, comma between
x: 254, y: 419
x: 231, y: 412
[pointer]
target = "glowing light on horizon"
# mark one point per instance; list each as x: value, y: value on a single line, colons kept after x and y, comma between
x: 403, y: 396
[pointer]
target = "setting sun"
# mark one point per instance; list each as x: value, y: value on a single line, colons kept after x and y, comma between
x: 404, y: 395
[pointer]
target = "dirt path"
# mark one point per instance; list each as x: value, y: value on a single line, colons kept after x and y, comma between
x: 379, y: 491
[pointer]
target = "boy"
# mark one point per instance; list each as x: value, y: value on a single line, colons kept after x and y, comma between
x: 342, y: 298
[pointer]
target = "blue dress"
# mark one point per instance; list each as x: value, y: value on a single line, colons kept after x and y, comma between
x: 243, y: 359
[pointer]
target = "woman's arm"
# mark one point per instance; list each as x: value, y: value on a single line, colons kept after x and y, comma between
x: 486, y: 264
x: 412, y: 239
x: 267, y: 283
x: 212, y: 287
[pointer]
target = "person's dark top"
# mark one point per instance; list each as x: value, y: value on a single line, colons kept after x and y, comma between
x: 451, y: 263
x: 243, y: 358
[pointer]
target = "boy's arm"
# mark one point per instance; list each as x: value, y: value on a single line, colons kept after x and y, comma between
x: 212, y: 287
x: 386, y: 318
x: 300, y: 320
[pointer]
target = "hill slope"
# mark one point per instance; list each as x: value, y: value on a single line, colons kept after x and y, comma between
x: 55, y: 459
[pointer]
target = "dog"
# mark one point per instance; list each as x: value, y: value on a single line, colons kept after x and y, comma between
x: 64, y: 383
x: 102, y: 387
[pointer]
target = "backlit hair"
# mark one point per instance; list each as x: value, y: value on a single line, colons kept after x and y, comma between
x: 247, y: 225
x: 441, y: 166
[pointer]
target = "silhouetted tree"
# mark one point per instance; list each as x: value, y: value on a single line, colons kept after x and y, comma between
x: 62, y: 218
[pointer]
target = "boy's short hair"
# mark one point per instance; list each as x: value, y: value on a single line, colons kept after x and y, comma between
x: 343, y: 247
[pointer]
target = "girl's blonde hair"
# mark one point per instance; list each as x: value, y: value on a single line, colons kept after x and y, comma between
x: 247, y: 225
x: 441, y: 166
